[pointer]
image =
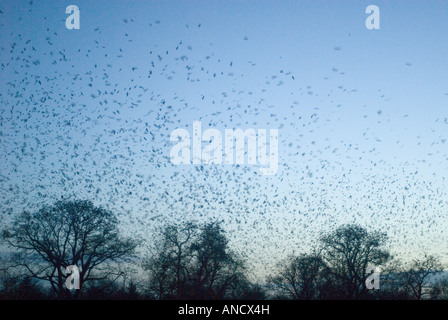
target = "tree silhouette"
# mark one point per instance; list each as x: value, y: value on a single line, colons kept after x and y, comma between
x: 215, y: 269
x: 194, y: 262
x: 439, y: 291
x: 21, y: 288
x: 167, y: 265
x: 68, y: 233
x: 417, y: 276
x: 298, y: 277
x: 347, y: 252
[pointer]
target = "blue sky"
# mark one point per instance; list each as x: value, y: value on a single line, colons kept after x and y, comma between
x: 362, y: 115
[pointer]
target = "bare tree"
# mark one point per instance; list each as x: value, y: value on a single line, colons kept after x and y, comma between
x: 68, y: 233
x: 392, y: 287
x: 416, y: 278
x: 168, y: 265
x: 347, y: 252
x: 298, y: 277
x: 193, y: 262
x: 215, y: 268
x: 439, y: 290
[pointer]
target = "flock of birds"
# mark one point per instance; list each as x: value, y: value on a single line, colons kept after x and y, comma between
x: 93, y: 121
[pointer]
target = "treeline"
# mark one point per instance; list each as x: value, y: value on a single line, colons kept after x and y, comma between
x: 195, y: 261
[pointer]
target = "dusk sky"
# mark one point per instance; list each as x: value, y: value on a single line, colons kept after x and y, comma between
x: 362, y: 116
